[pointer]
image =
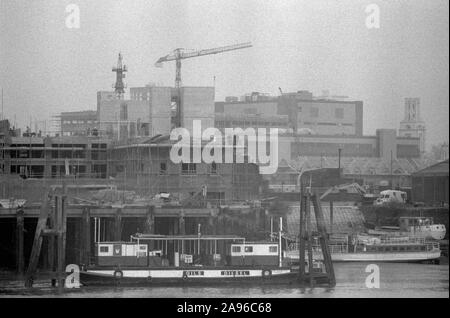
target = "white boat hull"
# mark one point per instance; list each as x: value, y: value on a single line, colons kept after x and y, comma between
x: 374, y: 257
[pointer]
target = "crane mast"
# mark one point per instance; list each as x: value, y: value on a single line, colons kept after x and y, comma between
x: 120, y: 70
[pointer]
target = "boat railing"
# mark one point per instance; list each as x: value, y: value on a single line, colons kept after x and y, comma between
x: 334, y: 248
x: 402, y: 240
x: 343, y: 248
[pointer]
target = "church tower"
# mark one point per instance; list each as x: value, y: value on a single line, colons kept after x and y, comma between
x: 412, y: 125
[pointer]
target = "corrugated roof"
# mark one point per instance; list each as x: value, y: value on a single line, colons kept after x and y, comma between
x: 363, y: 165
x: 438, y: 169
x: 345, y: 219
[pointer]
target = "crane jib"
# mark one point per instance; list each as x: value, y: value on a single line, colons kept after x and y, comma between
x: 180, y: 56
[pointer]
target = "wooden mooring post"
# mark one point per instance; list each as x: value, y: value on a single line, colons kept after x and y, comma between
x: 56, y: 228
x: 323, y: 239
x: 306, y: 238
x: 86, y: 236
x: 20, y: 264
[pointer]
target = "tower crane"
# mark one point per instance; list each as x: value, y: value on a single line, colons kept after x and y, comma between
x: 180, y: 54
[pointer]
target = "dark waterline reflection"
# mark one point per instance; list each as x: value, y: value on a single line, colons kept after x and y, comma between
x: 396, y: 280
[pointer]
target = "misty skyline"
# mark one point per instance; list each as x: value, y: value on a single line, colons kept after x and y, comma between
x: 47, y: 68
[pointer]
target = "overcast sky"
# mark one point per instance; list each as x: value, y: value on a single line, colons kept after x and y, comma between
x: 46, y: 68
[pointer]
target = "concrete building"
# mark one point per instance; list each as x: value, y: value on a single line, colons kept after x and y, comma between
x: 412, y: 125
x: 197, y: 104
x: 304, y: 114
x: 384, y: 144
x: 149, y: 111
x: 54, y: 157
x: 80, y: 123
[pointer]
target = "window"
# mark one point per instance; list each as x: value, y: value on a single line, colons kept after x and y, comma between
x: 162, y: 168
x: 249, y: 249
x: 339, y: 113
x: 213, y: 168
x: 314, y: 112
x: 236, y: 249
x: 188, y: 168
x: 273, y: 249
x: 104, y: 249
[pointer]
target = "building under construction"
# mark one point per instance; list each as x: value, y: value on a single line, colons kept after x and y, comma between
x: 118, y: 177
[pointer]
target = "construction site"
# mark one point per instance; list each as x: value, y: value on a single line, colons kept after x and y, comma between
x: 112, y: 168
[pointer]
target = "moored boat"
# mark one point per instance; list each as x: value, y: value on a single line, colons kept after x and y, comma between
x: 363, y: 248
x: 190, y: 260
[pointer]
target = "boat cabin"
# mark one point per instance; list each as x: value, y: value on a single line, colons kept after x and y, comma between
x: 126, y: 254
x: 254, y: 253
x: 406, y: 222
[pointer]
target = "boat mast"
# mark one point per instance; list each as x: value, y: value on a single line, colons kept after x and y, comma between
x: 280, y: 227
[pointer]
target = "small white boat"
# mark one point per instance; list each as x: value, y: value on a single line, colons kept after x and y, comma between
x: 375, y: 249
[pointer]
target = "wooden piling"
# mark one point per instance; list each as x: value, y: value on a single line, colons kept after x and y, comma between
x: 301, y: 244
x: 310, y: 239
x: 118, y: 225
x: 324, y: 244
x: 331, y: 217
x: 150, y: 221
x: 20, y: 263
x: 37, y: 244
x: 86, y: 236
x: 51, y: 249
x: 181, y: 224
x: 61, y: 225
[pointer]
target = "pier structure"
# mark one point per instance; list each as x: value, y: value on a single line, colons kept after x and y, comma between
x: 87, y: 225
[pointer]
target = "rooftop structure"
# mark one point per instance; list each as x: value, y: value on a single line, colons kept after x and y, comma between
x: 413, y: 125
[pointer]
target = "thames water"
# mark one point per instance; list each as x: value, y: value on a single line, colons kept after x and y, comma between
x: 395, y: 280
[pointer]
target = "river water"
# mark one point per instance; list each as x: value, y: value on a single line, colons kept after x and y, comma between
x: 395, y: 280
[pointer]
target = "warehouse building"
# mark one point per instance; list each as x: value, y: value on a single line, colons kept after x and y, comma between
x: 430, y: 185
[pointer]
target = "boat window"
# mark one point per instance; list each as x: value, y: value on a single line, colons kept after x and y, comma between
x: 236, y: 249
x: 104, y: 249
x: 273, y: 249
x: 249, y: 249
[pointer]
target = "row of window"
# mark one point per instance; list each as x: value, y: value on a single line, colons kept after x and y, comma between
x: 249, y: 249
x: 187, y: 168
x: 68, y: 122
x: 245, y: 124
x: 397, y: 248
x: 57, y: 154
x: 314, y: 112
x: 30, y: 171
